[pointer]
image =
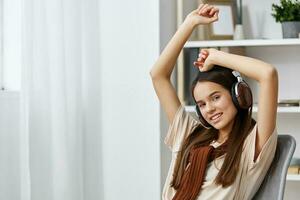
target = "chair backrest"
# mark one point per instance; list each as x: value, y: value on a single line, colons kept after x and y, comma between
x: 272, y: 188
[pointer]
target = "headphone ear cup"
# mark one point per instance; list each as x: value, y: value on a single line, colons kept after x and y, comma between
x: 241, y: 95
x: 201, y: 119
x: 245, y: 99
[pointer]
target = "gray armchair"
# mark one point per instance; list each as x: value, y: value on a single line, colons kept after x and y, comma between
x: 272, y: 188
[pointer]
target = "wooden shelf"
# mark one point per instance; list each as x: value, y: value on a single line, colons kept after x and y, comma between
x: 254, y: 109
x: 238, y: 43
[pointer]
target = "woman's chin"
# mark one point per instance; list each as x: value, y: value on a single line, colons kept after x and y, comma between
x: 218, y: 125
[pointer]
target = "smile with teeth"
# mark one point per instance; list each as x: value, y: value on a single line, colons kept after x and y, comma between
x: 215, y: 117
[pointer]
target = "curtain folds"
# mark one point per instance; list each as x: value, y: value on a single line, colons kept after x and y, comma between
x: 60, y: 101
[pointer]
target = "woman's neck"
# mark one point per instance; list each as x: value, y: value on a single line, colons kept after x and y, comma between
x: 224, y: 133
x: 222, y: 138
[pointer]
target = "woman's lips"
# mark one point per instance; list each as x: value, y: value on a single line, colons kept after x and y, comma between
x: 216, y: 117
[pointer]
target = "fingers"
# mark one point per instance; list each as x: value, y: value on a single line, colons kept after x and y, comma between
x: 203, y: 53
x: 202, y: 56
x: 206, y: 51
x: 199, y: 65
x: 201, y: 59
x: 200, y: 7
x: 215, y: 16
x: 203, y: 9
x: 207, y: 10
x: 213, y: 11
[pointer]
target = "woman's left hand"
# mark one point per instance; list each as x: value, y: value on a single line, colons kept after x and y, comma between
x: 205, y: 59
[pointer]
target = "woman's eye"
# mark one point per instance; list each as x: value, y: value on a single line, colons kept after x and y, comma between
x: 216, y: 97
x: 201, y: 105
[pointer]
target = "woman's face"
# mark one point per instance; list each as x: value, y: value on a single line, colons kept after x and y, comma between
x: 215, y: 104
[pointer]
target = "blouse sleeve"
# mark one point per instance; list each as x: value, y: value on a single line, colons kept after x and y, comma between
x: 255, y: 171
x: 182, y: 125
x: 266, y: 155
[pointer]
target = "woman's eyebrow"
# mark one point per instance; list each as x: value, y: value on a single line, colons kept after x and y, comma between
x: 211, y: 94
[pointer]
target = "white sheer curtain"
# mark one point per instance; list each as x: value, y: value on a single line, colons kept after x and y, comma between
x: 60, y: 137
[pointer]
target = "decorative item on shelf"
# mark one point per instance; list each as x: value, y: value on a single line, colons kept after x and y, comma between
x: 294, y: 167
x: 234, y: 50
x: 238, y: 29
x: 293, y: 170
x: 223, y: 29
x: 288, y: 14
x: 288, y: 102
x: 238, y: 32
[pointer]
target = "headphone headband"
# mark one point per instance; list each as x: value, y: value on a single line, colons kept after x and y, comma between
x: 237, y: 75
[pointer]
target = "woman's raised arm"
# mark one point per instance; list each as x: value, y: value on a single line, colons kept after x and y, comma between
x: 264, y: 73
x: 163, y: 67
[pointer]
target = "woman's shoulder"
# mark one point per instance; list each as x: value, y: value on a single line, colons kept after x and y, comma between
x: 251, y: 131
x: 183, y: 125
x: 265, y: 154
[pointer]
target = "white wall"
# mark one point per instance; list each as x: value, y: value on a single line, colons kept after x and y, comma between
x: 129, y: 40
x: 257, y: 20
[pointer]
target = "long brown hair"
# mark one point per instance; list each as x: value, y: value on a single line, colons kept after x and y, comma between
x: 200, y: 136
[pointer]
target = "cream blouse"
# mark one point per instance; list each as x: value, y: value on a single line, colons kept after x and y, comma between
x: 250, y: 174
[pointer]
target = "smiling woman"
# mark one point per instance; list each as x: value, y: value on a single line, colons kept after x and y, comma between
x: 228, y: 92
x: 226, y: 133
x: 214, y: 104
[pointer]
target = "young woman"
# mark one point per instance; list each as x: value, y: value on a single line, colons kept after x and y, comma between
x: 225, y: 154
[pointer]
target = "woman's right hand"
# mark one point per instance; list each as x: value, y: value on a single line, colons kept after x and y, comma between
x: 204, y: 14
x: 205, y: 61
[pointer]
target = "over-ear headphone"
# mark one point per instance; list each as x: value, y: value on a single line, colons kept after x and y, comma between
x: 241, y: 96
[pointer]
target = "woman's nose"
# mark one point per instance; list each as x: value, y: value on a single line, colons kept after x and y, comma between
x: 210, y: 108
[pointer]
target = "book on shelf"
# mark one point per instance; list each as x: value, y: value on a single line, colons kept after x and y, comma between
x: 285, y: 103
x: 234, y: 50
x: 293, y: 169
x: 288, y: 102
